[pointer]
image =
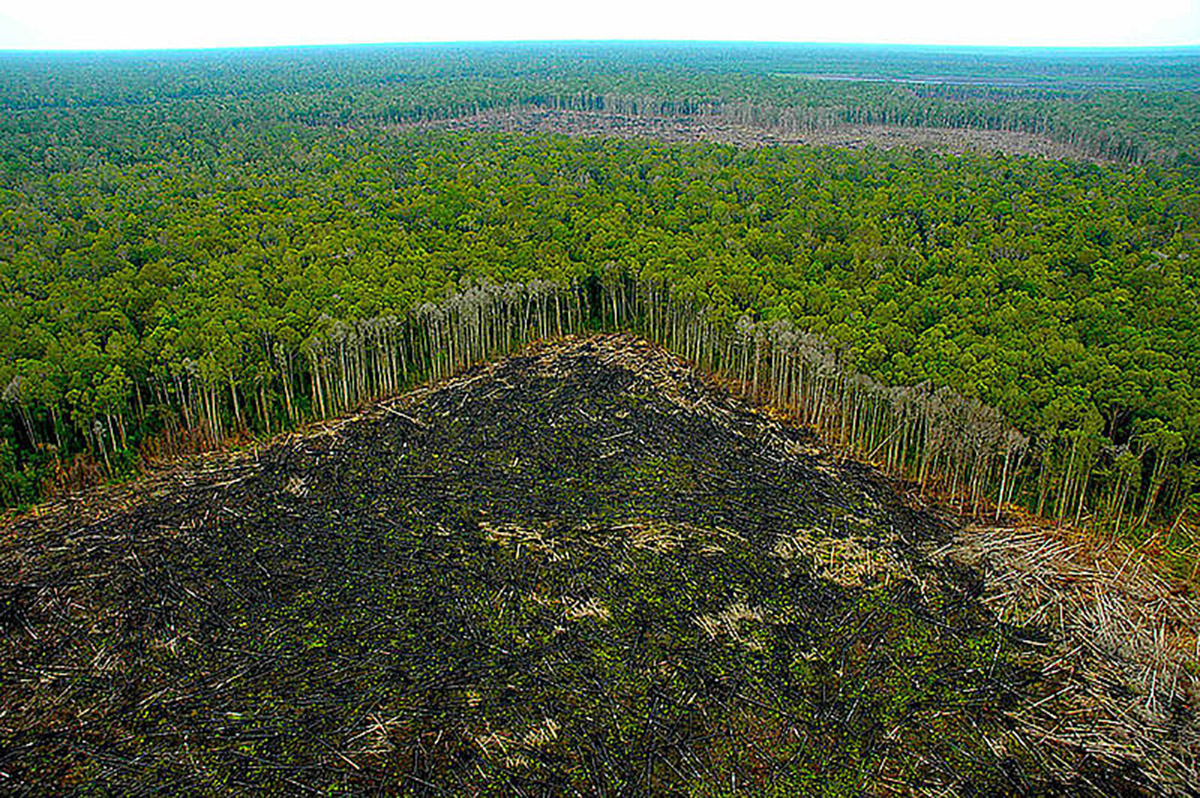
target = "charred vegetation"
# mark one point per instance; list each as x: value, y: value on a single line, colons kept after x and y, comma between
x: 581, y: 568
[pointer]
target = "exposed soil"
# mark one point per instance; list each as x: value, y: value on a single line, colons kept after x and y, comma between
x: 719, y: 129
x: 581, y: 569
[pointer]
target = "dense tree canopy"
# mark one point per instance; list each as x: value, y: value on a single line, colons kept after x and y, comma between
x: 189, y: 248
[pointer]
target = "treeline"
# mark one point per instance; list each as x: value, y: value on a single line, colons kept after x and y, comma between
x: 954, y: 445
x: 160, y: 305
x: 62, y: 109
x: 922, y: 110
x: 190, y: 405
x: 1096, y: 125
x: 353, y: 363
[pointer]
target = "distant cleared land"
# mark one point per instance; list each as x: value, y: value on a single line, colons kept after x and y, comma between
x: 749, y: 134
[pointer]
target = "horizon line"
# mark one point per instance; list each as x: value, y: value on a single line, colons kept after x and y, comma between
x: 510, y: 42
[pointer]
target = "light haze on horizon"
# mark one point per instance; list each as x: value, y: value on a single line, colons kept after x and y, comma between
x: 153, y: 24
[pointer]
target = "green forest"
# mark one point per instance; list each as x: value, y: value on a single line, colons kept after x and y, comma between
x: 196, y: 248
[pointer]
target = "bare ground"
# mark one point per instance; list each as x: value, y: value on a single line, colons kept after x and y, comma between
x: 718, y: 129
x: 585, y: 569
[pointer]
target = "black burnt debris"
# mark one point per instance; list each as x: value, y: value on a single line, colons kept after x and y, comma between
x: 578, y: 570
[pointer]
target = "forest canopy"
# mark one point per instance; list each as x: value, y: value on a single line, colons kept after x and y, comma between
x: 193, y: 229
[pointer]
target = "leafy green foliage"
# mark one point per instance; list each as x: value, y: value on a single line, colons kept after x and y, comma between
x: 182, y: 234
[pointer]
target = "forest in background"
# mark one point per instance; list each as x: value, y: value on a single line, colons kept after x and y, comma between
x: 194, y: 246
x: 1130, y: 105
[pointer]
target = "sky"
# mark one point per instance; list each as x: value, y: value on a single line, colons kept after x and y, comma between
x: 153, y: 24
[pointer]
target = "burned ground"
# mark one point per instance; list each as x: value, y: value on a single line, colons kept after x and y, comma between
x: 577, y: 570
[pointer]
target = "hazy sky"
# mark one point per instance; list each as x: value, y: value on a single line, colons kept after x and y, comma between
x: 87, y: 24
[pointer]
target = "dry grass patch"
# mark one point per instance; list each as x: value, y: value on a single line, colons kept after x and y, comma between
x: 848, y: 561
